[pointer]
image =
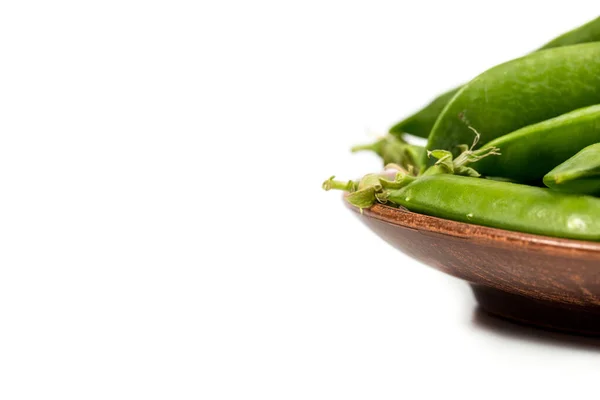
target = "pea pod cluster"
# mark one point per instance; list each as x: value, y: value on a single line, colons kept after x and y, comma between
x: 421, y: 122
x: 517, y: 147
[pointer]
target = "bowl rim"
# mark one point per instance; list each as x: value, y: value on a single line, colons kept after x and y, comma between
x: 484, y: 235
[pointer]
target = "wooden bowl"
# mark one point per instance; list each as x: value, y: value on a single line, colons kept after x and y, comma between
x: 543, y: 281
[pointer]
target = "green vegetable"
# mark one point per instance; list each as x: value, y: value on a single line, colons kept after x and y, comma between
x: 394, y: 150
x: 370, y: 189
x: 579, y: 174
x: 450, y: 189
x: 528, y: 153
x: 376, y: 187
x: 521, y: 92
x: 421, y: 123
x: 586, y: 33
x: 502, y: 205
x: 534, y: 113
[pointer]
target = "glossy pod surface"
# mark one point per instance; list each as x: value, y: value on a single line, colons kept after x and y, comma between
x: 503, y: 205
x: 422, y: 122
x: 589, y: 32
x: 518, y: 93
x: 579, y: 174
x: 530, y: 152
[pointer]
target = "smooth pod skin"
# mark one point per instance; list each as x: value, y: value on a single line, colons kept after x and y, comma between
x: 579, y: 174
x: 530, y: 152
x: 589, y: 32
x: 518, y: 93
x: 421, y: 123
x: 503, y: 205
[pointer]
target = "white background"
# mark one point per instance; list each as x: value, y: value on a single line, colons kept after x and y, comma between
x: 163, y: 233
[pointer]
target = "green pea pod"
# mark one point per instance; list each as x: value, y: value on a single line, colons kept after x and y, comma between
x: 502, y: 205
x: 579, y: 174
x: 530, y: 152
x: 421, y: 123
x: 518, y: 93
x: 588, y: 32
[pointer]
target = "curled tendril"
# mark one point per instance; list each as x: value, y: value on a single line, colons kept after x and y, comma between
x: 458, y: 166
x: 469, y: 155
x: 376, y: 188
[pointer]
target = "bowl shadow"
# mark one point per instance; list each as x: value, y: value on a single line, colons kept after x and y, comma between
x: 510, y: 329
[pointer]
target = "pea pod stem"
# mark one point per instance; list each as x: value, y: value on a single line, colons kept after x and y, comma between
x: 394, y: 150
x: 331, y: 183
x: 374, y: 188
x: 374, y: 147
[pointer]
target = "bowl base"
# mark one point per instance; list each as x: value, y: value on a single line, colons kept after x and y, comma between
x: 582, y: 320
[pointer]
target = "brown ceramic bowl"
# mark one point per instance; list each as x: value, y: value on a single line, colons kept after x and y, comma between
x: 544, y: 281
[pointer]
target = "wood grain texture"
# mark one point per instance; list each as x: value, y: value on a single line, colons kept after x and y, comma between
x: 552, y: 271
